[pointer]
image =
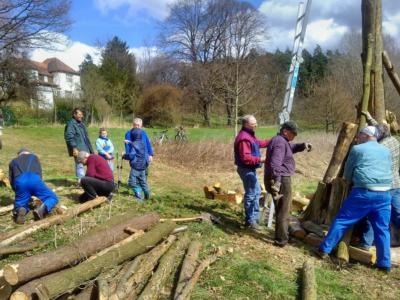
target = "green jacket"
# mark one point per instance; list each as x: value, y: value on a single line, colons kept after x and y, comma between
x: 76, y: 136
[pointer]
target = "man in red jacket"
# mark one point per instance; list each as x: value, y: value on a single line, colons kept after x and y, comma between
x: 248, y: 159
x: 98, y: 180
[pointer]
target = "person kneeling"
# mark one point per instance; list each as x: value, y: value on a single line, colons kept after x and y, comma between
x: 98, y: 180
x: 25, y: 173
x: 138, y: 162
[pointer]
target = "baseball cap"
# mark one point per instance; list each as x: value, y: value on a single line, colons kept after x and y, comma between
x: 370, y: 131
x: 291, y: 126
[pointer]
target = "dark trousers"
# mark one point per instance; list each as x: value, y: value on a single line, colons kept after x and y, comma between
x: 94, y: 187
x: 282, y: 208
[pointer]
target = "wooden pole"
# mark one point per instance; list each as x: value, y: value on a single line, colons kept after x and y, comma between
x: 309, y: 290
x: 391, y: 71
x: 95, y: 240
x: 57, y: 283
x: 188, y: 267
x: 366, y: 82
x: 23, y: 232
x: 164, y: 269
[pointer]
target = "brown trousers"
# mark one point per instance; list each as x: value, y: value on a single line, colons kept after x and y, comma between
x: 282, y: 208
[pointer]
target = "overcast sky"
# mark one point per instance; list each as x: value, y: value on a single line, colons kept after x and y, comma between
x: 135, y: 21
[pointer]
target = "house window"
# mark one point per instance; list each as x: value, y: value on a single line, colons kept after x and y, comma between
x: 69, y: 78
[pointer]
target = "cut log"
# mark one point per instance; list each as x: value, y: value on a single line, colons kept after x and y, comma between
x: 95, y: 240
x: 339, y: 191
x: 6, y: 209
x: 188, y: 267
x: 313, y: 239
x: 89, y: 293
x: 360, y: 255
x: 20, y: 248
x: 21, y: 233
x: 313, y: 228
x: 164, y: 269
x: 103, y: 289
x: 313, y: 211
x: 57, y: 283
x: 141, y: 269
x: 5, y: 287
x: 309, y: 289
x: 391, y: 71
x: 343, y: 143
x: 295, y: 229
x: 342, y: 252
x: 187, y: 290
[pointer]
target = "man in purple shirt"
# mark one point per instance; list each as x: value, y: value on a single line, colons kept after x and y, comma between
x: 279, y: 167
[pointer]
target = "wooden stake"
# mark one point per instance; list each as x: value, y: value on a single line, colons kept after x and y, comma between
x: 309, y: 290
x: 391, y: 71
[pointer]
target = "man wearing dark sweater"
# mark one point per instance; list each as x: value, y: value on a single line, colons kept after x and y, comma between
x: 279, y: 167
x: 25, y: 174
x: 98, y: 180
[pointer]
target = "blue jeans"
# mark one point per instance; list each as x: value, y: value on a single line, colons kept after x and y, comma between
x: 30, y: 184
x: 359, y: 204
x: 365, y: 227
x: 138, y: 182
x: 252, y: 193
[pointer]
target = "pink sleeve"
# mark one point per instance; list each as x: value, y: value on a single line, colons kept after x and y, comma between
x: 263, y: 143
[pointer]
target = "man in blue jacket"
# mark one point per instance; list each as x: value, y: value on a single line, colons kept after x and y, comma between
x: 368, y: 167
x: 25, y: 174
x: 138, y: 123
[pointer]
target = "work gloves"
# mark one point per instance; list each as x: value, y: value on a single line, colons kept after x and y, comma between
x: 308, y: 147
x: 275, y: 189
x: 75, y: 152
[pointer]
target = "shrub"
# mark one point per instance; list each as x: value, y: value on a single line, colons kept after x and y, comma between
x: 161, y: 106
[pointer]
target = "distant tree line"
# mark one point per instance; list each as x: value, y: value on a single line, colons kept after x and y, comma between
x: 210, y: 68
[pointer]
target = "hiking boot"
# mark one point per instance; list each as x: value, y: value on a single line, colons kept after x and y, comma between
x: 20, y: 215
x: 383, y: 269
x: 320, y: 254
x: 40, y: 212
x: 253, y: 226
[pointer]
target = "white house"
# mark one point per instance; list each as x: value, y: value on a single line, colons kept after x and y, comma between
x: 54, y: 78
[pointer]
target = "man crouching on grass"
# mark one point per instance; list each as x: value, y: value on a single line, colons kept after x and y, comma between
x: 248, y: 159
x: 25, y: 174
x: 98, y: 180
x: 368, y: 167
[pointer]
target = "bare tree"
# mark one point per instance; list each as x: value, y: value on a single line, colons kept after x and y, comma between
x: 32, y: 23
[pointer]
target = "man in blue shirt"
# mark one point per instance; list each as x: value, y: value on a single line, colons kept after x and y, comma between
x: 368, y: 167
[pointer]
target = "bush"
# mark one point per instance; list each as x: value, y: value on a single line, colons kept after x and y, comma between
x: 63, y: 110
x: 161, y: 106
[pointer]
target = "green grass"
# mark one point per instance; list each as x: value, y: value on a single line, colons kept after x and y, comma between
x: 252, y: 269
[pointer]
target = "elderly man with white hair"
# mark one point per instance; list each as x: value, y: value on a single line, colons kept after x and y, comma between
x: 248, y: 160
x: 368, y: 167
x: 98, y: 180
x: 138, y: 123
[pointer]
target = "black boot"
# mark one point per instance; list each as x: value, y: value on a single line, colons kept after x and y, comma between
x: 19, y: 215
x: 40, y: 212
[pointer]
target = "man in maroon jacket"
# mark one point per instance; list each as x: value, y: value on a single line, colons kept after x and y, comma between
x: 99, y: 179
x: 279, y: 167
x: 248, y: 159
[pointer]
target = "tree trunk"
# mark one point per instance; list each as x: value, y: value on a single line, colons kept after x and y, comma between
x: 339, y: 191
x: 187, y: 290
x: 206, y: 113
x: 22, y: 232
x: 6, y: 209
x: 309, y: 290
x: 314, y: 209
x: 20, y: 248
x: 140, y: 271
x: 164, y: 269
x: 188, y: 267
x: 295, y: 229
x: 313, y: 228
x: 5, y: 287
x: 391, y: 71
x: 367, y: 83
x: 57, y: 283
x: 313, y: 240
x: 95, y: 240
x: 379, y: 91
x: 344, y: 140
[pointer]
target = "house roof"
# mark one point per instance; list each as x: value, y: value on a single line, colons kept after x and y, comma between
x: 40, y: 67
x: 55, y: 65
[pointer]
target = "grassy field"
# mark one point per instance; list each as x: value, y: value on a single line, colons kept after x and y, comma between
x: 252, y: 268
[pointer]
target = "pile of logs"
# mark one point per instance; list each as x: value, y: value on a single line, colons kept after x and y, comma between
x: 127, y: 257
x: 216, y: 192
